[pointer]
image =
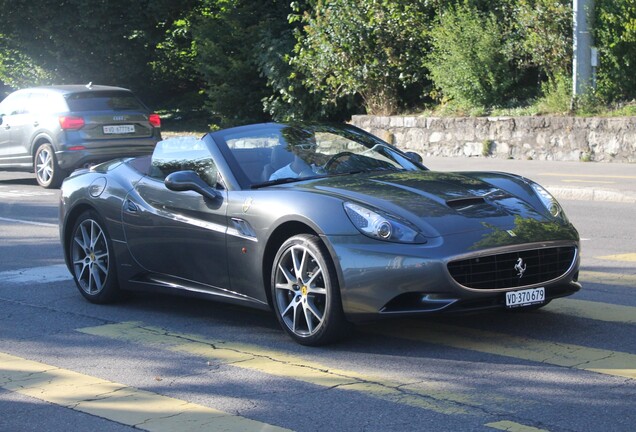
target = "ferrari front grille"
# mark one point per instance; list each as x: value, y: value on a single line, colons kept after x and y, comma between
x: 513, y: 269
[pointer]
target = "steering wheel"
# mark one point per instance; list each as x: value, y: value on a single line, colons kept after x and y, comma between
x: 335, y: 157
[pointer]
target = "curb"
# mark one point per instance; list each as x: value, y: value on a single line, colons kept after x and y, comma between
x: 588, y: 194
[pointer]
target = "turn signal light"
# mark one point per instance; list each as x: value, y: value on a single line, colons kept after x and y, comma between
x: 71, y: 122
x: 154, y: 120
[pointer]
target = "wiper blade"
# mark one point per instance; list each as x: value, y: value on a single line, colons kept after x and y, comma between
x: 276, y: 182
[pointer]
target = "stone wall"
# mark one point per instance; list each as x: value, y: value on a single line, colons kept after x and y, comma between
x: 540, y: 138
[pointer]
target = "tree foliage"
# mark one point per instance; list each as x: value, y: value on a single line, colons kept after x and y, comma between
x: 238, y: 61
x: 80, y: 41
x: 468, y: 62
x: 615, y: 34
x: 544, y: 35
x: 370, y: 49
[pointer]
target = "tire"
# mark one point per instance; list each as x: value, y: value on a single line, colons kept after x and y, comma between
x: 92, y: 258
x: 47, y: 172
x: 305, y: 292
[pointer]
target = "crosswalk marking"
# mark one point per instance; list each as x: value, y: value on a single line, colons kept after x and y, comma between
x: 45, y: 274
x: 416, y: 394
x: 510, y: 426
x: 621, y: 279
x: 553, y: 353
x: 629, y: 257
x: 130, y: 406
x: 43, y: 224
x: 593, y: 310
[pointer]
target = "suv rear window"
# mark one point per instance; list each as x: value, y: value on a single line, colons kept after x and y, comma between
x: 103, y: 101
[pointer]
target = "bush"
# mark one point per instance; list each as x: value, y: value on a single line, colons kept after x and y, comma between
x: 615, y: 35
x: 467, y: 62
x: 557, y: 95
x: 369, y: 49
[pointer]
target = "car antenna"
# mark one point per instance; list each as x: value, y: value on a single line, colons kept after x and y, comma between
x: 89, y: 85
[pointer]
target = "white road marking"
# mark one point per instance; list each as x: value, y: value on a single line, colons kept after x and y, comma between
x: 13, y: 193
x: 29, y: 222
x: 46, y: 274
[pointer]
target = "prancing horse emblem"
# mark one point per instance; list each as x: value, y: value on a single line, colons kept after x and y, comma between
x: 520, y: 267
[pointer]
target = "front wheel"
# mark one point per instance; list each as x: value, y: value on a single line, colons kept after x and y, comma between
x: 47, y: 172
x: 92, y: 258
x: 305, y: 292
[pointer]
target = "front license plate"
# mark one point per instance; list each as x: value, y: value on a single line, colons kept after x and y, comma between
x: 119, y: 129
x: 525, y: 297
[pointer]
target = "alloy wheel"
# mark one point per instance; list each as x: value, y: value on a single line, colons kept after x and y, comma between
x: 90, y: 257
x: 44, y: 165
x: 301, y: 291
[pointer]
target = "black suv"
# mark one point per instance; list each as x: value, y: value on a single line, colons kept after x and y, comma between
x: 53, y: 130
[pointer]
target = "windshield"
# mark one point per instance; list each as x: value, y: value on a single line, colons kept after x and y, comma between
x: 282, y: 153
x: 112, y: 100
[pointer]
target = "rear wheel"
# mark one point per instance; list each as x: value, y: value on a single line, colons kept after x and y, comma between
x: 305, y: 292
x: 47, y: 172
x: 92, y: 258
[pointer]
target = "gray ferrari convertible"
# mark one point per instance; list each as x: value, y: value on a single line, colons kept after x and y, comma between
x: 325, y: 224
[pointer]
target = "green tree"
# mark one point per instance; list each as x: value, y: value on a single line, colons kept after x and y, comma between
x: 77, y: 41
x: 228, y: 34
x: 174, y: 65
x: 543, y: 32
x: 615, y: 37
x: 370, y: 49
x: 468, y: 62
x: 17, y: 69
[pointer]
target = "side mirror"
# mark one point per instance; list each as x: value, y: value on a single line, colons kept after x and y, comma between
x: 180, y: 181
x: 415, y: 157
x: 1, y: 118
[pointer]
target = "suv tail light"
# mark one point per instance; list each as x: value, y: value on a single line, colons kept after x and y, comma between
x: 154, y: 120
x: 71, y: 122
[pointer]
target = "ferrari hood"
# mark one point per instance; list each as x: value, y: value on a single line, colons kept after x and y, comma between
x: 437, y: 202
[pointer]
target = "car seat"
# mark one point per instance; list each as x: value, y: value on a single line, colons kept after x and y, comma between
x: 279, y: 158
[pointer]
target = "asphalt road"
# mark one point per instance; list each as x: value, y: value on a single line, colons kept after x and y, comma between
x: 162, y: 363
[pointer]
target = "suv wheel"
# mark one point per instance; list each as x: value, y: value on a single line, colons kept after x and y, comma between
x: 47, y: 171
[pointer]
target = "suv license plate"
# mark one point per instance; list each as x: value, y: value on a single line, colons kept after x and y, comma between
x: 119, y: 129
x: 525, y: 297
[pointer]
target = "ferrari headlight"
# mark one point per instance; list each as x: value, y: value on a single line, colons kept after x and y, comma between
x: 548, y: 201
x: 382, y: 226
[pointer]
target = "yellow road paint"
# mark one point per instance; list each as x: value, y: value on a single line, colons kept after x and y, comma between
x: 424, y: 395
x: 594, y: 310
x: 608, y: 278
x: 589, y: 181
x: 629, y: 257
x: 513, y: 427
x: 116, y: 402
x: 589, y: 175
x: 553, y: 353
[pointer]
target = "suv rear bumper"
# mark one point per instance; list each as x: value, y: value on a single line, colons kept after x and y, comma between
x: 69, y: 160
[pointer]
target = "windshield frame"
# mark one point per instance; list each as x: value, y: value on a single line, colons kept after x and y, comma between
x: 298, y: 136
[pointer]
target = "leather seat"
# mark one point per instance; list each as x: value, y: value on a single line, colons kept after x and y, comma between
x: 279, y: 158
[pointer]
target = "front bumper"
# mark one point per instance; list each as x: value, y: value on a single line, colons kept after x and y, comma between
x: 387, y: 279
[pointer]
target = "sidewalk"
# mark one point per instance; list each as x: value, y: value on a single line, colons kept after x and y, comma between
x: 586, y: 181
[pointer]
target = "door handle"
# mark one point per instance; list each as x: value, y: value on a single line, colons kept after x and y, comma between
x: 130, y: 206
x: 36, y: 123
